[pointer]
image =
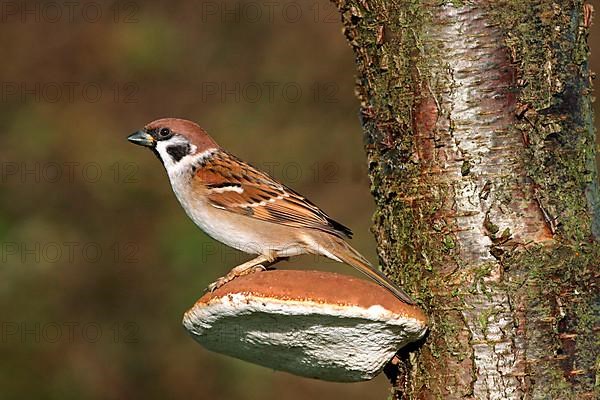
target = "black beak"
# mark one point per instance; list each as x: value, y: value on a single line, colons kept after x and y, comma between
x: 142, y: 138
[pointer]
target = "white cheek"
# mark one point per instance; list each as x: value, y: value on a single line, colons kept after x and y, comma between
x: 168, y: 161
x: 176, y: 169
x: 161, y: 148
x: 180, y: 171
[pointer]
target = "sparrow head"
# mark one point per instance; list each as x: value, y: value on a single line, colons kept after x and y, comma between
x: 172, y: 139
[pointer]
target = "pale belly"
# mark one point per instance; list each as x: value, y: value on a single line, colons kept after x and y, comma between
x: 240, y: 232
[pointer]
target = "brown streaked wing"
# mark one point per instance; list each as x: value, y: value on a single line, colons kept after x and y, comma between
x: 236, y: 186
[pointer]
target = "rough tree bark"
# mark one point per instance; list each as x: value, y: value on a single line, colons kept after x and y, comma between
x: 480, y: 142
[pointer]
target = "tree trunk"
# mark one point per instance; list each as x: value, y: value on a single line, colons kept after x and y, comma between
x: 480, y: 143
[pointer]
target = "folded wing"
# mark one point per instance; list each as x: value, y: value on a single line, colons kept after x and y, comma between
x: 236, y: 186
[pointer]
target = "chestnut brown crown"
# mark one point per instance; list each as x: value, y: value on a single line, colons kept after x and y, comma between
x: 164, y: 128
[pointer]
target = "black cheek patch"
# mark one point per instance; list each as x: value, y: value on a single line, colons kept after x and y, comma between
x: 178, y: 152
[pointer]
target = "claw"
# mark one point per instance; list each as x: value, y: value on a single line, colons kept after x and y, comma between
x: 232, y: 275
x: 216, y: 284
x: 256, y: 268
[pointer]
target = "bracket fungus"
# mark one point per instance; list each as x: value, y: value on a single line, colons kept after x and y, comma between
x: 309, y: 323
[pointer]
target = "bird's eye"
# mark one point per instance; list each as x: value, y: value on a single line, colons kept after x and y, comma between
x: 164, y: 132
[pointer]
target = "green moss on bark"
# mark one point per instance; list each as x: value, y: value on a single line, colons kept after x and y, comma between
x: 558, y: 288
x: 549, y: 44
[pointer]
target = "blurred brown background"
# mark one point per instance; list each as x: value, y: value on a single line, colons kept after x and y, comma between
x: 98, y: 260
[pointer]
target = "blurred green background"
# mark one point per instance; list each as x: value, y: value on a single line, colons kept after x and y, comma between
x: 98, y: 260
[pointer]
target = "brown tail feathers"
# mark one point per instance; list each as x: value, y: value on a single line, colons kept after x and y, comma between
x: 348, y: 255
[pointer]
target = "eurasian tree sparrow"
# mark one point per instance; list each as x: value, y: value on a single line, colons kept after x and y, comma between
x: 245, y: 208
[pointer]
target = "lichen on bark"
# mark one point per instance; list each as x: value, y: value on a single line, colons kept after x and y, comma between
x: 479, y: 138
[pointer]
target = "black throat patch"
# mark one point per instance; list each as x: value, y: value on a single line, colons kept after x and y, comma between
x: 177, y: 152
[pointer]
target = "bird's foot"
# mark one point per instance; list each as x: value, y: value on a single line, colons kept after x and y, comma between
x: 234, y: 273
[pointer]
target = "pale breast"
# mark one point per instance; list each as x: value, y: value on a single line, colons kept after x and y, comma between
x: 240, y: 232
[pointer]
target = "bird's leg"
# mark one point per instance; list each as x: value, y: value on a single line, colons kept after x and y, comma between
x: 260, y: 263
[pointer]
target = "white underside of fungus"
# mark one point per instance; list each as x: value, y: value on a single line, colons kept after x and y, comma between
x: 309, y: 337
